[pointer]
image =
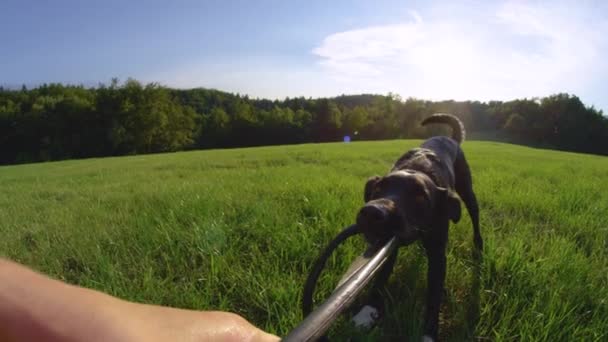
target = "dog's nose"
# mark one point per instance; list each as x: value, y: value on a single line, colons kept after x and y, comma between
x: 373, y: 213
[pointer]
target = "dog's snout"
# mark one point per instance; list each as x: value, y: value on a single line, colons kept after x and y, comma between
x: 374, y: 213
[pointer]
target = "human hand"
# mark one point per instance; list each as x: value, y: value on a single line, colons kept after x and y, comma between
x: 34, y: 307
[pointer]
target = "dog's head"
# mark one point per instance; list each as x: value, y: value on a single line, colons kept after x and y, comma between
x: 404, y: 203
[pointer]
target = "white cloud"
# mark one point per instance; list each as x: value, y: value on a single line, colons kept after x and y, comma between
x: 510, y: 50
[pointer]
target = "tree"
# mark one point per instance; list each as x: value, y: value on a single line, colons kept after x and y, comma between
x: 216, y: 128
x: 515, y: 125
x: 355, y: 120
x: 327, y: 121
x: 54, y: 121
x: 409, y: 116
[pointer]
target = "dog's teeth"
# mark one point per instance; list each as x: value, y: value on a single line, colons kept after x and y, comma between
x: 366, y: 317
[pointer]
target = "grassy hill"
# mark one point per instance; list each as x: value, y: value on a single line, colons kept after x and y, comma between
x: 238, y: 230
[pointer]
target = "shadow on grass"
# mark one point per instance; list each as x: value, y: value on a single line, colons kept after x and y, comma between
x: 404, y: 298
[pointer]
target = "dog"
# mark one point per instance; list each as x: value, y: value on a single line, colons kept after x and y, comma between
x: 415, y: 201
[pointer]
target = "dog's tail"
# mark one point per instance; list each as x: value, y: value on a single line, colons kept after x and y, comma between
x: 458, y: 132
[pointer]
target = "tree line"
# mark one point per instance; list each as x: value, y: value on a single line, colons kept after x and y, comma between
x: 55, y: 121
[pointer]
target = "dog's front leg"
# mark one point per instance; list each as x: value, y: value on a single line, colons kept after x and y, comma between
x: 435, y: 251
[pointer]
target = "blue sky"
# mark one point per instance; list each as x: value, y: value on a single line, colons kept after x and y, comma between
x: 478, y: 50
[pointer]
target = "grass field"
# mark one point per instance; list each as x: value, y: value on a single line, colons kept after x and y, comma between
x: 238, y: 230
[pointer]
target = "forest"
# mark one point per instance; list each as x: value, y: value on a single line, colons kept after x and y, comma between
x: 57, y: 122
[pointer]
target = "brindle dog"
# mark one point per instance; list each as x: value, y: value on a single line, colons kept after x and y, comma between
x: 415, y: 201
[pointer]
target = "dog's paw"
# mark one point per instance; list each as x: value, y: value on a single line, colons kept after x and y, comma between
x: 427, y: 338
x: 367, y: 317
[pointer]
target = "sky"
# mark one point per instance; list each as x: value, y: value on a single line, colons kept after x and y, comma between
x: 461, y: 50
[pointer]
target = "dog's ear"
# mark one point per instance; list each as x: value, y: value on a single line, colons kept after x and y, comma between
x: 371, y: 182
x: 452, y: 204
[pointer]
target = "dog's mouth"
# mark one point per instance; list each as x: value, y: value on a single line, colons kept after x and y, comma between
x: 380, y: 220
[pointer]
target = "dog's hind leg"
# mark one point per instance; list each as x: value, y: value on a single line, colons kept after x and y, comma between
x: 464, y: 188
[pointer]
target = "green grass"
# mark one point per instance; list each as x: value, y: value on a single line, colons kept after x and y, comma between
x: 239, y: 229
